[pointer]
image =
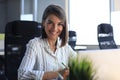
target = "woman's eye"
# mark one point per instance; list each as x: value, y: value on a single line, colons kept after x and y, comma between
x: 60, y: 24
x: 49, y: 22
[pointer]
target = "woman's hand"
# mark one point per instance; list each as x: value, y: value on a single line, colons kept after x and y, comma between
x: 64, y: 73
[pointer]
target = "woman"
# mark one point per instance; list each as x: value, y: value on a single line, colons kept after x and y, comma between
x: 46, y: 56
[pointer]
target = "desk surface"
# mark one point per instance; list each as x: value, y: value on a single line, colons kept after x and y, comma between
x: 107, y: 62
x: 99, y: 51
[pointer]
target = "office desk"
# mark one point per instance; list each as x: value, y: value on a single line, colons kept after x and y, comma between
x: 107, y: 63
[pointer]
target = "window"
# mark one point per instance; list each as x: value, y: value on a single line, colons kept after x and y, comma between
x: 115, y: 18
x: 85, y: 16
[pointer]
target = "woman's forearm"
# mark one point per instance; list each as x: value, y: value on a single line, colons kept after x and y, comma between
x: 50, y: 75
x: 53, y: 75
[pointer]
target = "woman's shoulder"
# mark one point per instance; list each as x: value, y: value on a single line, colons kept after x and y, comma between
x: 67, y: 46
x: 36, y: 39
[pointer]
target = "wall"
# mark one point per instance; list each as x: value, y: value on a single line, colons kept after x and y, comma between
x: 42, y: 4
x: 9, y: 11
x: 117, y: 5
x: 2, y: 16
x: 13, y: 10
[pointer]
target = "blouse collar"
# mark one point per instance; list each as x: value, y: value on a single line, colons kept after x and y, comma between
x: 57, y: 45
x: 47, y: 47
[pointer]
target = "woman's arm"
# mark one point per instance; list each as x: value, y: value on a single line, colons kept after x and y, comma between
x: 61, y: 74
x: 26, y: 69
x: 50, y: 75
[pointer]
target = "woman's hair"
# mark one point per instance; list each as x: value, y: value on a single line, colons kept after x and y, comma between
x: 60, y: 13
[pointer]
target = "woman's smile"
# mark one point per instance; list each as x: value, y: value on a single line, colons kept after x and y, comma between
x: 53, y: 32
x: 53, y: 27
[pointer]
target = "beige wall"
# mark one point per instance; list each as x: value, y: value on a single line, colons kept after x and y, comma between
x: 117, y: 5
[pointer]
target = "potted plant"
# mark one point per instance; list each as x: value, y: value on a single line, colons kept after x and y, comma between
x: 82, y: 69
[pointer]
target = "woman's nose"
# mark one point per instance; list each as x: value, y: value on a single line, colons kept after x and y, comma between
x: 55, y: 26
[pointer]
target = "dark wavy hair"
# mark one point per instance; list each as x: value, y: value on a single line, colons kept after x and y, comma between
x: 60, y: 13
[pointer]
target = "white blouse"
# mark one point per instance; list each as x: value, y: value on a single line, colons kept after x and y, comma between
x: 39, y: 58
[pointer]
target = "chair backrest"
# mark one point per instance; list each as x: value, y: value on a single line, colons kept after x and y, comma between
x: 72, y: 39
x: 17, y: 35
x: 105, y: 36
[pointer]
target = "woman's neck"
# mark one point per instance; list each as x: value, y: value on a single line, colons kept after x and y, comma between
x: 52, y: 44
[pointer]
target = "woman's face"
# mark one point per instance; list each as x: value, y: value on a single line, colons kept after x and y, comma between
x: 53, y: 27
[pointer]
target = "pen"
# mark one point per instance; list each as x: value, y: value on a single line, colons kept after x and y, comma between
x: 64, y: 65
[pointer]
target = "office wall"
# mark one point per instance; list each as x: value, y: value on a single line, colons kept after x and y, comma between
x: 2, y: 16
x: 13, y: 10
x: 28, y: 6
x: 9, y: 11
x: 117, y: 5
x: 42, y: 4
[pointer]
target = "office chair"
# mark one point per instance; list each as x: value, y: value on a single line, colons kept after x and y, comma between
x: 2, y: 70
x: 17, y: 35
x: 72, y: 39
x: 105, y: 36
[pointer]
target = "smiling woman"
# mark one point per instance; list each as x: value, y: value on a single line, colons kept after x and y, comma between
x: 53, y: 27
x: 44, y: 55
